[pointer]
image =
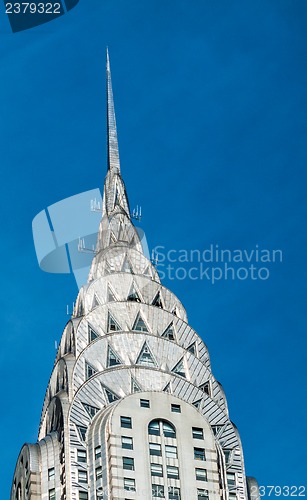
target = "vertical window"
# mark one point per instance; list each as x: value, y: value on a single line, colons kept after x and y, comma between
x: 81, y: 456
x: 197, y: 433
x: 82, y: 476
x: 83, y: 495
x: 51, y: 473
x: 126, y: 422
x: 154, y: 428
x: 113, y: 359
x: 144, y: 403
x: 89, y: 371
x: 173, y: 493
x: 155, y: 449
x: 201, y: 474
x: 168, y: 430
x: 156, y: 470
x: 82, y: 432
x: 128, y: 463
x: 231, y: 479
x: 97, y: 452
x: 139, y: 325
x: 157, y: 490
x: 199, y: 454
x: 205, y: 388
x: 129, y: 484
x: 51, y: 495
x: 171, y: 451
x: 98, y: 472
x: 127, y: 443
x: 202, y: 494
x: 227, y: 454
x: 176, y: 408
x: 172, y: 472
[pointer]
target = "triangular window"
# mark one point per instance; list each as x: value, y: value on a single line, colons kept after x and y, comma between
x: 113, y: 326
x: 216, y: 429
x: 175, y: 311
x: 169, y: 333
x: 111, y: 396
x: 145, y: 357
x: 117, y: 197
x: 205, y: 388
x: 139, y: 324
x: 113, y: 359
x: 133, y: 295
x: 91, y: 410
x: 147, y: 272
x: 126, y: 268
x: 157, y: 301
x: 168, y: 388
x: 92, y: 335
x: 179, y: 369
x: 197, y: 403
x: 95, y: 302
x: 192, y: 349
x: 112, y: 238
x: 110, y: 295
x: 82, y: 432
x: 135, y: 386
x: 89, y: 371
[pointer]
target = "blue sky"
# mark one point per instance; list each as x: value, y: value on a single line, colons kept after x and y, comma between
x: 211, y: 111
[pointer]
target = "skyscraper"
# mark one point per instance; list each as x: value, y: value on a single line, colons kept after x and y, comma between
x: 132, y: 409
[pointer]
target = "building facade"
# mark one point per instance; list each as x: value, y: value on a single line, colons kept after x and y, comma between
x: 132, y: 409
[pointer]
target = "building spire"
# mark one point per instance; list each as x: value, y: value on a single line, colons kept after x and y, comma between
x: 113, y: 153
x: 115, y: 197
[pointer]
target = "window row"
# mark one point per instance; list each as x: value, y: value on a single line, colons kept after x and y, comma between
x: 156, y: 450
x: 158, y: 491
x: 173, y: 472
x: 161, y: 427
x: 145, y: 358
x: 139, y: 325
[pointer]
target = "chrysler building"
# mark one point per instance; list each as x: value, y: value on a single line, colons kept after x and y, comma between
x: 132, y: 409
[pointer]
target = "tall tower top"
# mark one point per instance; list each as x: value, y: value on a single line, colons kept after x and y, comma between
x: 113, y: 153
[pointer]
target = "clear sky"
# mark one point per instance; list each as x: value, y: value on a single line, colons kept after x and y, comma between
x: 210, y: 98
